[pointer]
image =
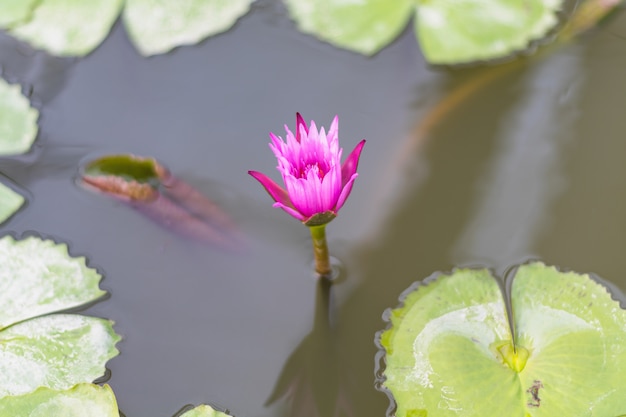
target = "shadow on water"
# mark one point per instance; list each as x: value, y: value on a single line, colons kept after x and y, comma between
x: 314, y: 378
x: 43, y: 75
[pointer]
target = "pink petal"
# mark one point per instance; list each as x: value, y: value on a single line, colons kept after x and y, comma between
x: 333, y: 131
x: 274, y: 190
x: 345, y: 192
x: 300, y: 122
x: 290, y: 211
x: 350, y: 164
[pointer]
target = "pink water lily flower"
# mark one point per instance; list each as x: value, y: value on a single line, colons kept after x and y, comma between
x: 317, y: 184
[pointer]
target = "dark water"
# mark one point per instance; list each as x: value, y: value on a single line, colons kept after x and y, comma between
x: 529, y: 163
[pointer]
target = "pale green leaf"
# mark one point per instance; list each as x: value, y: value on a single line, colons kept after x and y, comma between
x: 577, y: 338
x: 39, y: 277
x: 15, y: 11
x: 55, y: 351
x: 69, y: 27
x: 10, y: 202
x: 449, y: 350
x: 441, y: 342
x: 18, y: 121
x: 364, y: 26
x: 204, y: 411
x: 455, y: 31
x: 83, y: 400
x: 158, y: 26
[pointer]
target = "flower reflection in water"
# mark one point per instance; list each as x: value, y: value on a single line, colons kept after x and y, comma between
x: 312, y: 378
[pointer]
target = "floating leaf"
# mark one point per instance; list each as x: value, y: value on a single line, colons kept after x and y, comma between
x: 363, y: 26
x: 55, y: 351
x: 469, y: 30
x: 69, y: 27
x: 450, y: 350
x: 10, y: 202
x: 15, y: 11
x: 151, y: 189
x: 82, y: 400
x: 158, y: 26
x: 18, y: 121
x: 39, y: 277
x: 204, y: 411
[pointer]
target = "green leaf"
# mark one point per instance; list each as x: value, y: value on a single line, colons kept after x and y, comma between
x: 450, y: 352
x: 15, y: 11
x: 576, y: 334
x: 469, y: 30
x: 18, y: 121
x: 204, y: 411
x: 39, y: 277
x: 362, y: 26
x: 10, y: 202
x: 69, y: 27
x: 83, y: 400
x: 158, y: 26
x: 55, y: 351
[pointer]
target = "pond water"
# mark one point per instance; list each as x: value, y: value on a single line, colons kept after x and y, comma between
x: 485, y: 167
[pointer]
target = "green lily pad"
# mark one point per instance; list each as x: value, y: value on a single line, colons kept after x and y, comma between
x: 10, y: 202
x: 68, y: 27
x: 55, y: 351
x: 15, y: 11
x: 82, y: 400
x: 158, y: 26
x: 459, y: 31
x: 450, y: 351
x: 364, y: 26
x: 39, y: 277
x: 204, y: 411
x: 18, y: 121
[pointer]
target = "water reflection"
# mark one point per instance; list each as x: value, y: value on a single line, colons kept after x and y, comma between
x: 525, y: 176
x: 44, y: 74
x: 314, y: 378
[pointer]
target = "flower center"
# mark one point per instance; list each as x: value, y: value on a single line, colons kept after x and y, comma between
x: 315, y: 167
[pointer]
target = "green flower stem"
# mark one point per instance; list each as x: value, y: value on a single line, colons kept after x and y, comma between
x: 320, y: 251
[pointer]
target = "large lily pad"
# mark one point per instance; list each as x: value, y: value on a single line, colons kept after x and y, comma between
x: 470, y: 30
x: 68, y: 27
x: 39, y: 277
x: 10, y: 202
x: 450, y: 351
x: 82, y: 400
x: 363, y: 26
x: 18, y: 121
x: 158, y: 26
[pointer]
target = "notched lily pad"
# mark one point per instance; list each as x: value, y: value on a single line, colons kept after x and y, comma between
x: 449, y: 350
x: 81, y: 400
x: 18, y: 121
x: 362, y: 26
x: 39, y: 277
x: 460, y: 31
x: 158, y: 26
x: 10, y: 202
